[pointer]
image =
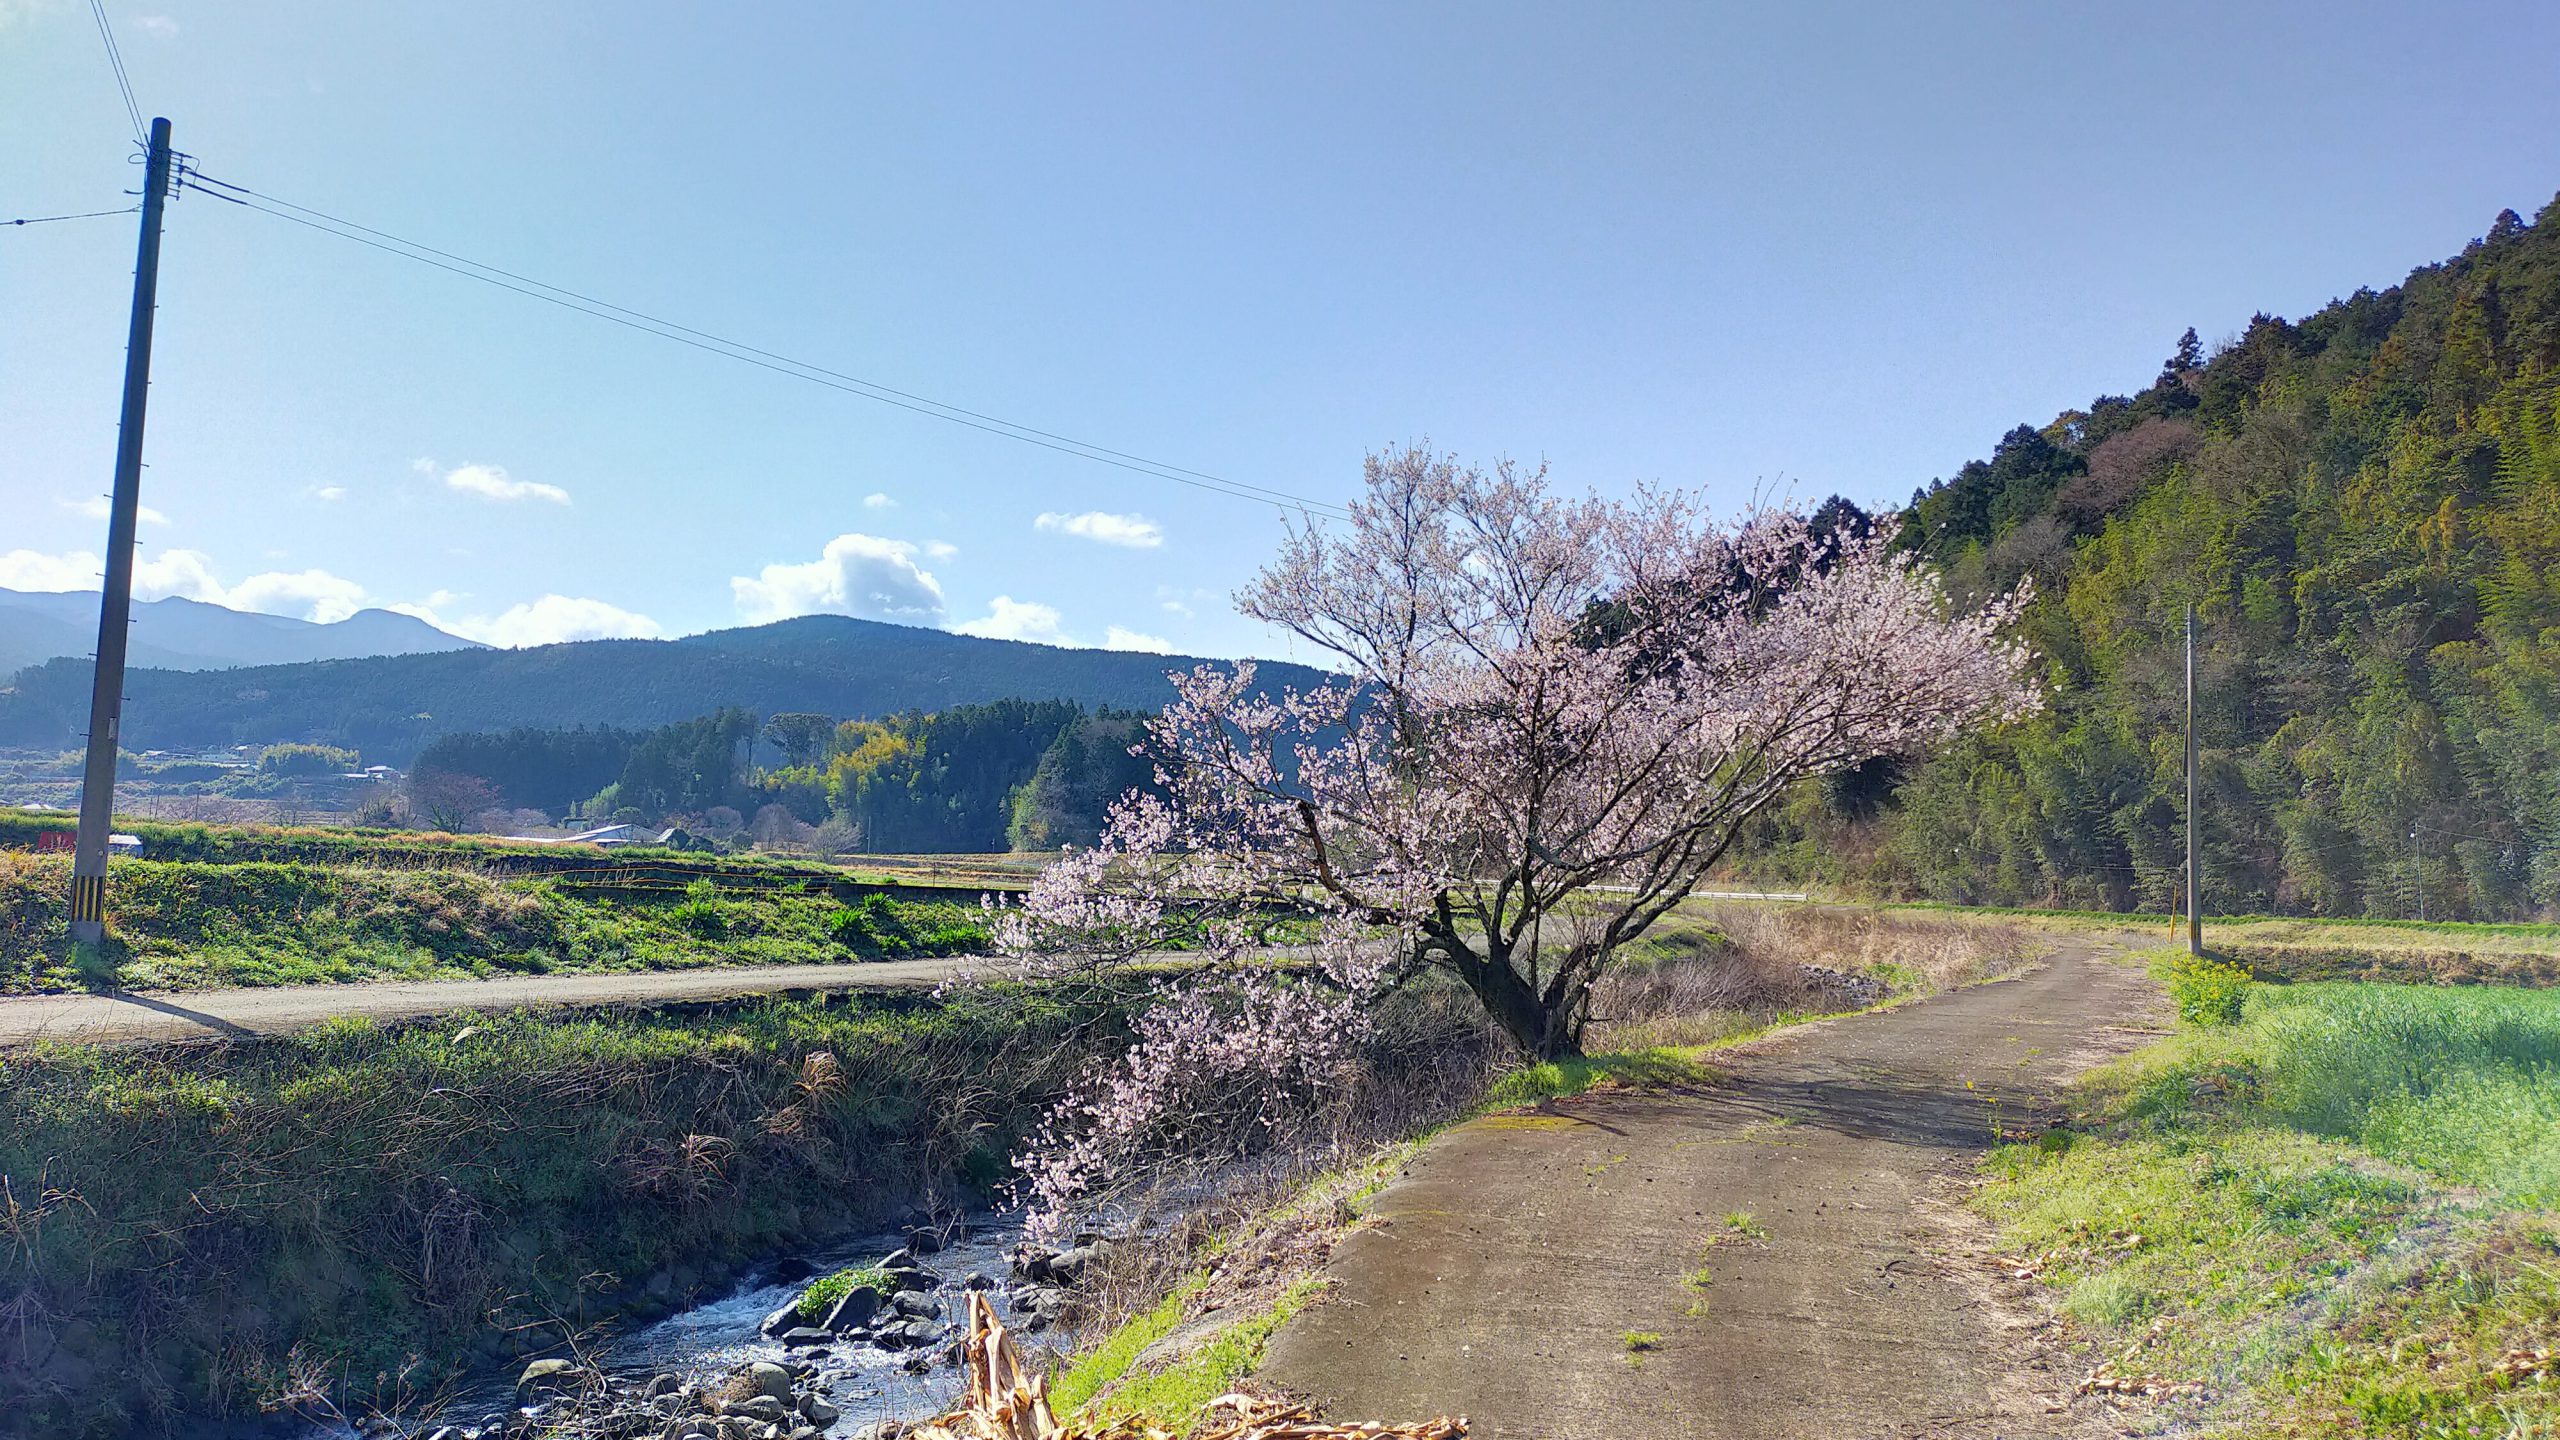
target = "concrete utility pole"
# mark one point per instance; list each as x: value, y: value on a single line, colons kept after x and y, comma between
x: 115, y: 603
x: 2195, y: 875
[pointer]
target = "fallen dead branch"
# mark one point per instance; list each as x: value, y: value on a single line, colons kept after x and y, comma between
x: 1006, y: 1402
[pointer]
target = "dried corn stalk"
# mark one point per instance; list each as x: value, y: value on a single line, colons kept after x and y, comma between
x: 1006, y: 1402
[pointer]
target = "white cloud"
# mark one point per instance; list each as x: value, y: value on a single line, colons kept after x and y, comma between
x: 550, y: 620
x: 311, y: 594
x: 321, y: 596
x: 1115, y: 638
x: 878, y: 502
x: 424, y: 465
x: 158, y: 27
x: 1173, y: 600
x: 185, y: 573
x: 29, y: 570
x: 1011, y: 619
x: 96, y: 507
x: 940, y: 549
x: 303, y: 594
x: 332, y: 493
x: 496, y: 484
x: 1136, y: 532
x: 860, y: 575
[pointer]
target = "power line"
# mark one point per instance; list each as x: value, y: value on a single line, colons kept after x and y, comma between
x: 715, y: 344
x: 115, y: 61
x: 84, y: 215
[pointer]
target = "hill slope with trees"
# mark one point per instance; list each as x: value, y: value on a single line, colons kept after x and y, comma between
x: 390, y: 708
x: 2365, y: 507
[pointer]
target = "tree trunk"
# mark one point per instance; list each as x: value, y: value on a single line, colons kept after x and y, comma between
x: 1541, y: 1033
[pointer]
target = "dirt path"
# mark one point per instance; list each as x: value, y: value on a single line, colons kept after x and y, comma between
x: 1517, y: 1254
x: 127, y: 1017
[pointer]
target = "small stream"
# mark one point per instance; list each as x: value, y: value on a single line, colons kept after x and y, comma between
x: 714, y: 1338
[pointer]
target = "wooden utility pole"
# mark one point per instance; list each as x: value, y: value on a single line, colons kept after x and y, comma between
x: 2195, y: 875
x: 115, y: 602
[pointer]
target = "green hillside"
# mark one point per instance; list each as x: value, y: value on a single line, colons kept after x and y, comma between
x: 389, y: 707
x: 2365, y: 505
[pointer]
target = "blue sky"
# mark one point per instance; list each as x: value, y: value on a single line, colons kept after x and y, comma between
x: 1810, y: 247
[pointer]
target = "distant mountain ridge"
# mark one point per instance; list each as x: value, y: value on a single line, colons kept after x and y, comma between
x: 390, y: 707
x: 181, y: 634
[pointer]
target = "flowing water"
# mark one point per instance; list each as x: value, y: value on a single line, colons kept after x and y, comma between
x: 717, y: 1336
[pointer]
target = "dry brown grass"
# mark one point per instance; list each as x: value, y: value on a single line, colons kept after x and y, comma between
x: 1717, y: 971
x: 1917, y: 951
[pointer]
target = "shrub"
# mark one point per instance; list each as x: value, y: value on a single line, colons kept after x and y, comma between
x: 2207, y: 991
x: 306, y: 760
x: 702, y: 912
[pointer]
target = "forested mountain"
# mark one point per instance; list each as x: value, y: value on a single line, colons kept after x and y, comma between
x: 2365, y: 507
x: 390, y: 708
x: 182, y: 634
x: 1029, y: 774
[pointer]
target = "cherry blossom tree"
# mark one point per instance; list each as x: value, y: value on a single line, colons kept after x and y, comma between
x: 1553, y: 716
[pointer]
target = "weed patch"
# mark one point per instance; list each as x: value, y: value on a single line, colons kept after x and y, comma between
x: 2332, y: 1212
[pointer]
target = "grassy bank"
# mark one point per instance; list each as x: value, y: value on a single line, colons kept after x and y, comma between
x: 386, y: 849
x: 173, y: 1225
x: 2332, y: 1217
x: 192, y: 924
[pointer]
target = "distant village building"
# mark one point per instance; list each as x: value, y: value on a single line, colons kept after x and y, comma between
x: 607, y: 836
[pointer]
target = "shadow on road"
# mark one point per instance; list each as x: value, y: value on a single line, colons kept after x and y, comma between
x: 1929, y: 1111
x: 214, y: 1023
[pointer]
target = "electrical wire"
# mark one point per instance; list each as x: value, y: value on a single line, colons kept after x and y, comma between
x: 779, y: 364
x: 115, y: 61
x: 83, y: 215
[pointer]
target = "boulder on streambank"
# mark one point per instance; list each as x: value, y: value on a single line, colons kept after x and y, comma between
x: 890, y: 1305
x: 760, y: 1401
x: 1046, y: 1278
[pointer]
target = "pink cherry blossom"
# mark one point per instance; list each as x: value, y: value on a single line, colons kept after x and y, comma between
x: 1552, y: 716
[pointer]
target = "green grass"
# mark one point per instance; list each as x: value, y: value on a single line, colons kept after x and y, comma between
x: 370, y: 1193
x: 1641, y: 1343
x: 1177, y: 1395
x: 195, y: 925
x: 2333, y: 1215
x: 1104, y: 1368
x: 1556, y: 1079
x: 361, y: 847
x: 1104, y: 1365
x: 1700, y: 1280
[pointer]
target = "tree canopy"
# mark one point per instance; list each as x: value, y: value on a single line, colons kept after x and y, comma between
x: 2365, y: 508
